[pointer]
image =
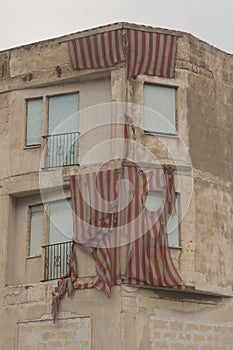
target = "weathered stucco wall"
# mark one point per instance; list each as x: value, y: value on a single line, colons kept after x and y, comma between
x: 152, y: 323
x: 209, y: 125
x: 133, y: 318
x: 209, y: 104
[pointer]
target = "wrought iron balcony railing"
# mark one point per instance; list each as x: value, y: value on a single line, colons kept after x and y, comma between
x: 56, y: 260
x: 61, y: 150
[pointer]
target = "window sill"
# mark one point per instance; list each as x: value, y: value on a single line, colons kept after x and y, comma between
x: 33, y: 257
x: 32, y: 147
x: 160, y: 134
x: 175, y: 248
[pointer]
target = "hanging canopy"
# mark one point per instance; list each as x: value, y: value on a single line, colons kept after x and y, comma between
x: 145, y: 50
x: 110, y: 202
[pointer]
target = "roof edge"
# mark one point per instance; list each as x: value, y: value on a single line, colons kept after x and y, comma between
x: 115, y: 26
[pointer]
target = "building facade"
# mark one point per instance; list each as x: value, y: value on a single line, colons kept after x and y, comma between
x: 64, y: 104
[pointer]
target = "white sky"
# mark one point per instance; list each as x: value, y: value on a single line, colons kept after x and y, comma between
x: 26, y: 21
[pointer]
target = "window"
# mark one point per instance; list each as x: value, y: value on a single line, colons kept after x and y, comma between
x: 36, y: 229
x: 60, y: 233
x: 62, y: 128
x: 59, y: 228
x: 154, y: 201
x: 160, y: 109
x: 63, y: 114
x: 34, y: 121
x: 61, y: 221
x: 62, y: 142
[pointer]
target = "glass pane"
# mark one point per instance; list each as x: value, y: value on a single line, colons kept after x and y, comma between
x: 160, y: 111
x: 36, y: 230
x: 61, y: 222
x: 34, y: 121
x: 154, y: 200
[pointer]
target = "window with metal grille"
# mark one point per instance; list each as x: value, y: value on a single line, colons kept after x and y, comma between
x: 61, y: 222
x: 57, y: 252
x: 60, y: 228
x: 62, y: 138
x: 159, y: 109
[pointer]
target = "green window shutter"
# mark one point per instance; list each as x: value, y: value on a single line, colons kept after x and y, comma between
x: 160, y: 109
x: 36, y: 229
x: 61, y: 222
x: 63, y: 113
x: 34, y: 121
x: 154, y: 201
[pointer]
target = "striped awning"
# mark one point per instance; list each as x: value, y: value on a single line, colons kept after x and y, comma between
x: 145, y: 51
x: 150, y: 53
x: 97, y: 51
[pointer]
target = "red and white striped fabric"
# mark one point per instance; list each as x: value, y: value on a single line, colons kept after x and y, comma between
x: 66, y: 283
x: 145, y: 52
x: 101, y: 50
x: 150, y: 53
x: 95, y: 206
x: 100, y: 213
x: 149, y: 261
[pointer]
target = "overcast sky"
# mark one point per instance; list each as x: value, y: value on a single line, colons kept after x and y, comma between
x: 26, y: 21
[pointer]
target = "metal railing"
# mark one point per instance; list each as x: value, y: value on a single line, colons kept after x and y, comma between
x: 61, y: 149
x: 56, y: 260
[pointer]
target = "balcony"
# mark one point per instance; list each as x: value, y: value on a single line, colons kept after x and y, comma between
x: 61, y: 150
x: 56, y: 259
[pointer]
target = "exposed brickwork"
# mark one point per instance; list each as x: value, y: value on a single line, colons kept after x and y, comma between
x: 183, y: 335
x: 69, y: 334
